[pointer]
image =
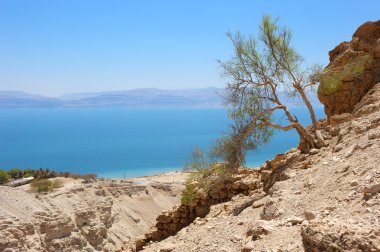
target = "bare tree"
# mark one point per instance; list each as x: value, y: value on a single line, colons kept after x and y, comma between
x: 260, y: 69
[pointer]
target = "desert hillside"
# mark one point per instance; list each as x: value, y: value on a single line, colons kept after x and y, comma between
x: 326, y: 200
x: 84, y: 216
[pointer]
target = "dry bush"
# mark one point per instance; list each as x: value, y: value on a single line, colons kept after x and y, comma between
x: 41, y: 185
x: 57, y: 183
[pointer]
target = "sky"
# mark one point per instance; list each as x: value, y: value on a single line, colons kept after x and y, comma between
x: 67, y: 46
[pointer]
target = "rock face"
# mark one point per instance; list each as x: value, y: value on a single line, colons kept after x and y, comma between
x: 327, y: 235
x: 353, y: 70
x: 198, y: 205
x: 98, y: 216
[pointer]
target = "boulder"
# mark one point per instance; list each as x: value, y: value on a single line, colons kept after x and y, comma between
x: 353, y: 70
x: 201, y: 211
x: 294, y: 220
x: 375, y: 188
x: 309, y: 215
x: 270, y: 211
x: 258, y: 229
x: 164, y: 218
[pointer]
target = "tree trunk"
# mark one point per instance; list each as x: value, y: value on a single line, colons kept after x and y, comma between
x: 309, y: 107
x: 309, y: 140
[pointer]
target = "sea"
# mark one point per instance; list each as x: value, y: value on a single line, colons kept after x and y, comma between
x: 118, y: 143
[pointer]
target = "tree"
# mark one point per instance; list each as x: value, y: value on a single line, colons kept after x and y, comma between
x: 260, y: 69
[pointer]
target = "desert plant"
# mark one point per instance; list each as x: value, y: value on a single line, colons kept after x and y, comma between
x: 261, y: 68
x: 205, y: 173
x: 57, y: 183
x: 41, y: 185
x: 188, y: 195
x: 89, y: 177
x: 4, y: 177
x: 74, y: 175
x: 25, y: 175
x: 15, y: 173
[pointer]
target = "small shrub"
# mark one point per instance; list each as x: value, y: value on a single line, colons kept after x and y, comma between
x: 89, y: 177
x: 205, y: 173
x: 188, y: 195
x: 41, y: 185
x: 15, y: 173
x: 57, y: 183
x: 4, y: 177
x: 26, y: 175
x: 74, y: 176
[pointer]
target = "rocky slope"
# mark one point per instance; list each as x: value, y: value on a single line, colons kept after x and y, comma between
x: 84, y: 217
x: 326, y: 201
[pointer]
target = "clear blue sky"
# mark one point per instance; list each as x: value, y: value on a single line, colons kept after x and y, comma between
x: 55, y: 47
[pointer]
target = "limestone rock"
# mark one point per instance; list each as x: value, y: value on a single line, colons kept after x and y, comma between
x: 342, y: 88
x: 338, y: 119
x: 309, y: 215
x: 258, y: 229
x: 294, y: 220
x: 201, y: 211
x: 270, y: 211
x: 375, y: 188
x: 373, y: 135
x: 314, y: 151
x: 332, y: 236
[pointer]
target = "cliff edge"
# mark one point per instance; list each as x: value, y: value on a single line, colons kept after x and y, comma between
x: 353, y: 70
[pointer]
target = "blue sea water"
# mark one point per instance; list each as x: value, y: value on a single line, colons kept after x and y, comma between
x: 118, y: 142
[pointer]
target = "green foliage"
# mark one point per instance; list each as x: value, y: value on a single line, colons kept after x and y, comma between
x: 41, y: 185
x: 4, y: 177
x: 188, y: 195
x: 45, y: 185
x: 331, y: 78
x: 28, y: 175
x: 198, y: 161
x: 263, y: 65
x: 199, y: 167
x: 15, y: 173
x: 205, y: 172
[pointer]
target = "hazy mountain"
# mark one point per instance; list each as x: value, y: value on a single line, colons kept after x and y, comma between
x: 17, y: 99
x: 137, y: 98
x: 147, y: 98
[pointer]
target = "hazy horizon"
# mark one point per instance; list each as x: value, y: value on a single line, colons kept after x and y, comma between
x: 107, y: 91
x: 53, y: 48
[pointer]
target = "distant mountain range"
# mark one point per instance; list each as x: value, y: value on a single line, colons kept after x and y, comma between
x: 138, y: 98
